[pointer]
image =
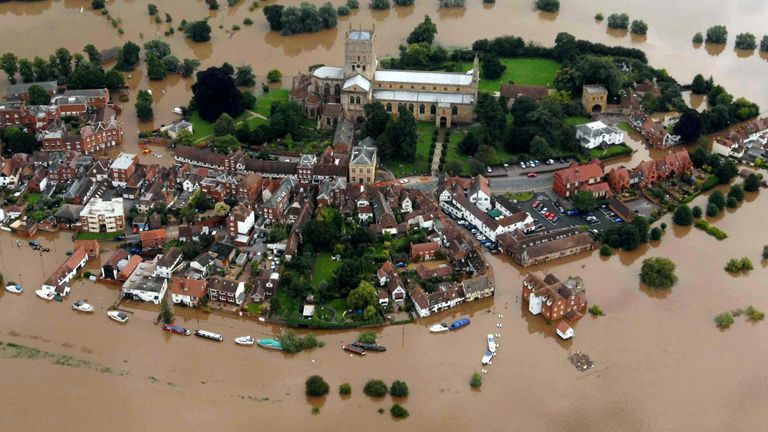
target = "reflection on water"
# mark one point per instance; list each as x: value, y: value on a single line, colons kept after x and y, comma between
x: 714, y: 49
x: 742, y: 53
x: 616, y: 33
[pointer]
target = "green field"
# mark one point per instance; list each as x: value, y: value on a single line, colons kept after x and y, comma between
x: 577, y: 120
x: 98, y: 235
x: 502, y: 156
x: 610, y: 151
x: 523, y: 71
x: 422, y: 164
x: 626, y: 127
x: 323, y: 269
x: 520, y: 196
x: 264, y: 102
x: 33, y: 197
x: 203, y: 129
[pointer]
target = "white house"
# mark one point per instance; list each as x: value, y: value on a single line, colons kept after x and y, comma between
x: 188, y: 292
x: 596, y: 134
x: 9, y: 177
x: 480, y: 193
x: 58, y: 282
x: 143, y: 286
x: 168, y: 263
x: 564, y: 330
x: 174, y: 129
x: 191, y: 183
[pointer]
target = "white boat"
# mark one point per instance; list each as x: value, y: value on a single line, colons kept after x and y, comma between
x: 491, y: 343
x: 5, y: 228
x: 245, y: 340
x: 118, y: 316
x: 177, y: 110
x: 438, y: 328
x: 82, y: 306
x: 45, y: 294
x: 16, y: 289
x: 488, y: 358
x: 209, y: 335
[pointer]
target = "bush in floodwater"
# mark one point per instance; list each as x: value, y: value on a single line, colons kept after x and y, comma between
x: 765, y: 256
x: 746, y: 41
x: 618, y: 21
x: 353, y: 4
x: 638, y: 27
x: 736, y: 265
x: 345, y: 389
x: 655, y: 234
x: 548, y: 5
x: 451, y: 3
x: 403, y: 2
x: 293, y: 343
x: 658, y: 273
x: 717, y: 34
x: 342, y: 10
x: 696, y: 212
x: 98, y: 4
x: 166, y: 314
x: 605, y: 251
x: 375, y: 388
x: 599, y: 16
x: 398, y: 411
x: 379, y: 4
x: 724, y: 320
x: 367, y: 337
x: 399, y: 389
x: 754, y: 314
x: 698, y: 38
x: 595, y: 310
x: 476, y: 381
x: 316, y: 386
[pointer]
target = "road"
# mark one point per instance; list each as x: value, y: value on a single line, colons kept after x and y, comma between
x: 498, y: 184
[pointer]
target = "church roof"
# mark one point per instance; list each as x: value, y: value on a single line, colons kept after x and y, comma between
x: 360, y: 35
x: 329, y: 72
x: 429, y: 97
x: 417, y: 77
x: 358, y: 80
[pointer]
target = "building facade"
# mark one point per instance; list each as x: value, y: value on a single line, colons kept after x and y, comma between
x: 103, y: 216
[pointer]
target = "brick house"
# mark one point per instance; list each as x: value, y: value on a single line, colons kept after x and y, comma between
x: 548, y: 296
x: 424, y: 251
x: 153, y: 238
x: 188, y: 292
x: 226, y: 291
x: 568, y: 181
x: 122, y: 169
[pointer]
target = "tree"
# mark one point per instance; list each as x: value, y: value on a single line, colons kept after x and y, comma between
x: 97, y: 4
x: 144, y: 105
x: 752, y: 183
x: 726, y: 171
x: 225, y: 144
x: 94, y: 56
x: 221, y: 209
x: 63, y: 61
x: 746, y: 41
x: 398, y: 389
x: 492, y: 69
x: 342, y: 10
x: 274, y: 15
x: 712, y: 210
x: 764, y: 44
x: 698, y: 38
x: 362, y: 296
x: 157, y: 48
x: 328, y: 15
x: 152, y: 9
x: 244, y: 76
x: 353, y: 4
x: 717, y: 34
x: 18, y: 141
x: 376, y: 119
x: 683, y: 215
x: 171, y: 63
x: 424, y: 32
x: 114, y: 80
x: 155, y: 68
x: 370, y: 313
x: 696, y: 212
x: 584, y: 201
x: 198, y: 31
x: 274, y: 75
x: 166, y: 314
x: 699, y: 85
x: 717, y: 198
x: 224, y: 125
x: 642, y: 226
x: 398, y: 141
x: 731, y: 202
x: 9, y: 65
x: 188, y: 67
x: 379, y: 4
x: 322, y: 235
x: 26, y: 71
x: 690, y: 126
x: 87, y: 76
x: 490, y: 114
x: 128, y: 57
x: 736, y: 192
x: 605, y: 251
x: 38, y: 95
x: 476, y: 381
x: 655, y: 234
x: 658, y: 273
x: 375, y: 388
x: 765, y: 252
x: 215, y: 93
x: 638, y: 27
x: 540, y: 147
x: 724, y: 320
x: 548, y: 5
x: 398, y: 411
x: 618, y: 21
x: 469, y: 144
x: 345, y: 389
x: 316, y: 386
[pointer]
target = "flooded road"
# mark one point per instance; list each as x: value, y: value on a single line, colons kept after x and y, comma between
x: 660, y: 363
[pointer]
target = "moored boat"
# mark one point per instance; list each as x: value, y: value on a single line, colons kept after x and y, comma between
x: 45, y: 294
x: 463, y: 322
x: 369, y: 347
x: 491, y: 343
x: 82, y: 306
x: 14, y: 288
x: 245, y: 340
x: 176, y: 329
x: 118, y: 316
x: 353, y: 349
x: 438, y: 328
x: 488, y: 358
x: 270, y: 344
x: 209, y: 335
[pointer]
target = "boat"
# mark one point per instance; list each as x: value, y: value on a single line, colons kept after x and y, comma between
x: 437, y: 328
x: 459, y: 323
x: 118, y: 316
x: 270, y: 344
x: 491, y: 343
x: 45, y: 294
x: 245, y: 340
x: 488, y: 358
x: 353, y: 349
x: 14, y: 288
x: 176, y: 329
x: 209, y: 335
x: 177, y: 110
x: 369, y: 346
x: 82, y: 306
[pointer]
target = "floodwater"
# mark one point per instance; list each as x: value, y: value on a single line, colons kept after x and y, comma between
x: 660, y: 363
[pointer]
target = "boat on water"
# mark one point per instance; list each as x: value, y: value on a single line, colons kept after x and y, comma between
x: 176, y: 329
x: 82, y: 306
x: 209, y: 335
x: 353, y: 349
x: 14, y: 288
x: 270, y: 344
x: 245, y: 340
x: 177, y: 110
x: 5, y: 228
x: 488, y: 358
x: 438, y: 328
x: 369, y: 347
x: 118, y: 316
x: 459, y: 323
x: 491, y: 343
x: 45, y: 294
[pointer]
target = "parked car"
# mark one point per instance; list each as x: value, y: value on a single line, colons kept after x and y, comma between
x: 532, y: 174
x: 536, y: 204
x: 618, y: 220
x: 401, y: 264
x: 404, y: 181
x: 523, y: 165
x: 473, y: 230
x: 555, y: 219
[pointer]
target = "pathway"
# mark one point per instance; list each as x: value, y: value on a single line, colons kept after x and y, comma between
x: 438, y: 152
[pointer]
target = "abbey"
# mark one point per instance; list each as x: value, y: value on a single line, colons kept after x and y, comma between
x: 332, y: 93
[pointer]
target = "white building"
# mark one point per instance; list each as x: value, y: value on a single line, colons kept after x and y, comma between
x: 596, y: 134
x: 143, y: 286
x: 99, y: 215
x: 168, y: 263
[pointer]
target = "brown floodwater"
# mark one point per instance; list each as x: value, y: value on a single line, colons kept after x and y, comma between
x: 660, y: 363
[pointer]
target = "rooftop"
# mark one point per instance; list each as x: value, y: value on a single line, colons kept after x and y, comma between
x: 123, y: 161
x: 329, y: 72
x: 427, y: 97
x: 417, y: 77
x: 99, y: 207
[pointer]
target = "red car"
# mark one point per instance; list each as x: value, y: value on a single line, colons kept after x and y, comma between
x: 532, y: 174
x: 537, y: 204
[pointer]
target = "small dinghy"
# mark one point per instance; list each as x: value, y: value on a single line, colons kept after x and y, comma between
x: 45, y: 294
x: 438, y: 328
x: 118, y: 316
x: 463, y: 322
x: 491, y: 343
x: 82, y: 306
x: 245, y: 340
x: 14, y: 288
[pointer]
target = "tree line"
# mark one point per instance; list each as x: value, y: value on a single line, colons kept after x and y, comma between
x: 306, y: 18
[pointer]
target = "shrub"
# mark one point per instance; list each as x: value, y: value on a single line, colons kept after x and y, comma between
x: 605, y: 251
x: 353, y: 4
x: 451, y: 3
x: 712, y: 210
x: 717, y: 198
x: 375, y: 388
x: 618, y: 21
x: 548, y: 5
x: 638, y: 27
x: 293, y: 343
x: 710, y: 229
x: 345, y: 389
x: 399, y: 389
x: 731, y: 202
x: 655, y: 234
x: 476, y: 381
x: 724, y: 320
x: 683, y: 215
x: 746, y: 41
x: 752, y: 183
x: 152, y: 9
x: 765, y: 252
x: 754, y: 314
x: 696, y: 212
x: 379, y: 4
x: 658, y: 273
x: 595, y: 310
x: 764, y: 43
x: 98, y: 4
x: 698, y: 38
x: 735, y: 265
x: 367, y: 337
x: 663, y: 226
x: 247, y: 21
x: 599, y: 16
x: 403, y: 2
x: 342, y: 10
x: 316, y: 386
x: 717, y: 34
x: 398, y: 411
x: 274, y: 75
x: 736, y: 192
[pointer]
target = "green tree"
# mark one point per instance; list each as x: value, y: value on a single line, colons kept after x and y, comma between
x: 94, y: 56
x: 375, y: 388
x: 398, y: 142
x: 424, y: 32
x: 752, y: 183
x: 476, y: 381
x: 198, y: 31
x: 584, y: 201
x: 746, y: 41
x: 353, y: 4
x: 605, y: 251
x: 225, y: 144
x: 618, y: 21
x: 18, y: 141
x: 638, y: 27
x: 689, y: 126
x: 244, y: 76
x: 490, y: 114
x: 345, y: 389
x: 548, y: 5
x: 717, y: 198
x: 321, y: 235
x: 26, y: 71
x: 698, y: 38
x: 379, y: 4
x: 658, y: 273
x: 128, y: 57
x: 152, y: 9
x: 712, y: 210
x: 540, y: 148
x: 155, y: 68
x: 224, y: 125
x: 656, y: 233
x: 696, y: 212
x: 683, y: 215
x: 114, y: 80
x: 274, y: 15
x: 97, y: 4
x: 492, y: 69
x: 699, y: 85
x: 469, y: 144
x: 370, y: 313
x: 9, y: 65
x: 221, y: 209
x: 188, y: 67
x: 342, y: 10
x: 157, y: 48
x: 215, y: 93
x: 63, y: 61
x: 166, y: 314
x: 315, y: 386
x: 144, y: 105
x: 274, y: 75
x: 724, y: 320
x: 736, y: 192
x: 731, y: 202
x: 398, y: 411
x: 399, y: 389
x: 328, y: 15
x: 726, y: 171
x: 717, y: 34
x: 362, y: 296
x: 376, y: 119
x: 764, y: 43
x: 38, y: 95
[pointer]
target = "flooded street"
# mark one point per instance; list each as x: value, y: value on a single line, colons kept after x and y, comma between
x: 652, y: 351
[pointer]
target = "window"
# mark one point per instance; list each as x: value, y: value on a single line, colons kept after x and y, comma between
x: 454, y: 110
x: 357, y: 100
x: 433, y: 109
x: 369, y: 170
x: 363, y: 68
x: 389, y: 107
x: 421, y: 109
x: 410, y: 107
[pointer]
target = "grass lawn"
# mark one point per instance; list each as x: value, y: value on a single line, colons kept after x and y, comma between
x: 264, y: 102
x: 520, y: 196
x: 610, y: 151
x: 626, y: 127
x: 422, y: 164
x: 577, y: 120
x: 340, y: 306
x: 523, y: 71
x: 33, y: 197
x: 323, y: 268
x: 502, y: 155
x: 98, y: 235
